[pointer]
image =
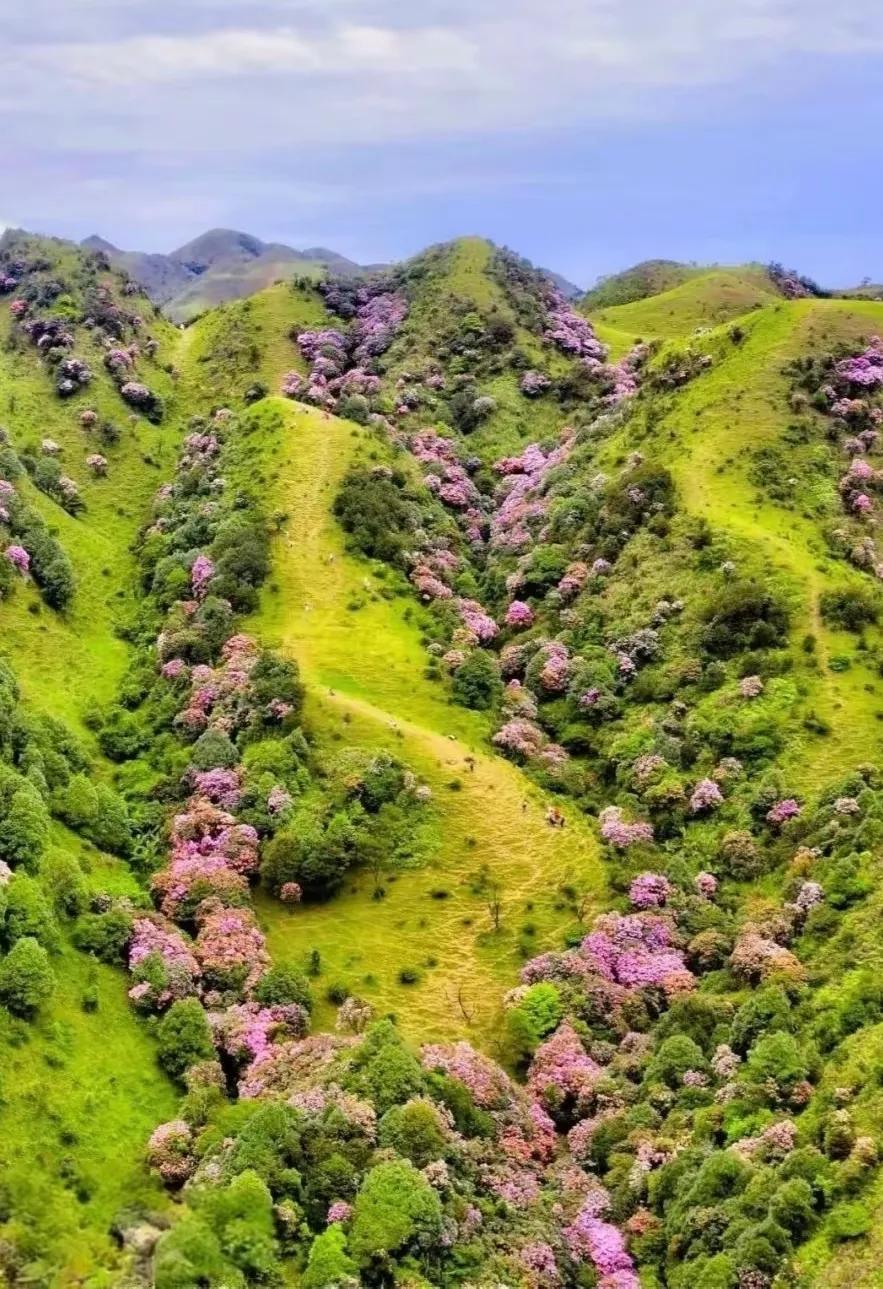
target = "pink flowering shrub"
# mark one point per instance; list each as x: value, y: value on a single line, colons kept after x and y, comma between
x: 562, y: 1076
x: 782, y: 811
x: 162, y: 963
x: 650, y: 891
x: 170, y: 1152
x: 705, y: 796
x: 620, y: 834
x: 18, y: 557
x: 201, y: 573
x: 519, y: 615
x: 230, y: 949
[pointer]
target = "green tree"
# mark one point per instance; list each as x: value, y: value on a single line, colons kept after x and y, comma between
x: 395, y: 1206
x: 329, y: 1265
x: 26, y: 979
x: 477, y: 682
x: 184, y: 1037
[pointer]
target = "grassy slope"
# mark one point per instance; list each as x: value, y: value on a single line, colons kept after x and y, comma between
x: 234, y: 282
x: 76, y: 1108
x: 650, y: 277
x: 67, y: 662
x: 707, y: 437
x: 372, y: 659
x: 706, y: 300
x: 81, y: 1093
x: 364, y: 670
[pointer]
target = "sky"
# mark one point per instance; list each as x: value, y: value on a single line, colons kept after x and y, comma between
x: 586, y: 134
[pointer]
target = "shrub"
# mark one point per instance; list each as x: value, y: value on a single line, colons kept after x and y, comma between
x: 29, y: 913
x: 850, y: 608
x: 24, y: 828
x: 26, y: 979
x: 413, y: 1130
x: 375, y: 510
x: 329, y: 1264
x: 184, y: 1037
x: 106, y: 935
x: 744, y: 616
x: 395, y: 1207
x: 850, y: 1222
x: 477, y: 682
x: 283, y: 984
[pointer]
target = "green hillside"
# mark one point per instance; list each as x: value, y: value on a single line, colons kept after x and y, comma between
x: 705, y: 299
x: 650, y: 277
x: 440, y: 814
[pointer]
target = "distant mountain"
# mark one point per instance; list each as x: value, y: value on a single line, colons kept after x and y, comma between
x: 568, y: 289
x: 221, y: 264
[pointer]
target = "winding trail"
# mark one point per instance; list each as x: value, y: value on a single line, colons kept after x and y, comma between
x: 358, y: 646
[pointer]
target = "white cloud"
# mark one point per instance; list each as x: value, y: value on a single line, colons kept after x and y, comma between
x: 458, y: 67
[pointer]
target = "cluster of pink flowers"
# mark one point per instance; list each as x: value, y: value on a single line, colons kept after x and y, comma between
x: 634, y: 950
x: 650, y: 891
x: 477, y: 621
x: 625, y: 375
x: 378, y: 318
x: 431, y: 572
x: 247, y: 1031
x: 534, y: 383
x: 201, y: 573
x: 575, y: 577
x: 163, y: 963
x: 519, y: 500
x: 705, y: 796
x: 590, y: 1239
x: 97, y: 464
x: 170, y: 1151
x: 18, y: 557
x: 782, y: 811
x: 706, y: 885
x: 563, y: 1072
x: 755, y: 957
x: 229, y: 947
x: 555, y: 667
x: 865, y: 369
x: 620, y: 834
x: 521, y: 737
x: 519, y: 615
x: 569, y: 331
x: 136, y: 394
x: 488, y: 1085
x: 445, y: 475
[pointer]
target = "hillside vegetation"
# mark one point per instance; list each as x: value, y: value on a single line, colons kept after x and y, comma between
x: 440, y: 812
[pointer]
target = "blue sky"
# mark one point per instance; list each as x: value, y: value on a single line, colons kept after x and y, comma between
x: 587, y: 134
